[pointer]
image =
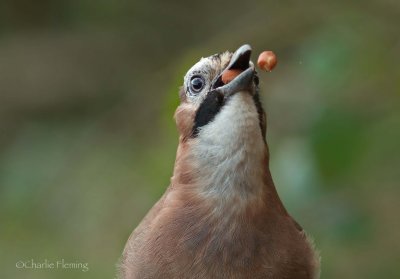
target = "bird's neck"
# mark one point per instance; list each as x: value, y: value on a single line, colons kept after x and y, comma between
x: 227, y: 162
x: 231, y: 181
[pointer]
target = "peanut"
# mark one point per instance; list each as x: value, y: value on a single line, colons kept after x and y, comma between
x: 267, y: 60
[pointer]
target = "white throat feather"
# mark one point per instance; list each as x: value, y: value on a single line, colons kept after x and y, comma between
x: 229, y: 153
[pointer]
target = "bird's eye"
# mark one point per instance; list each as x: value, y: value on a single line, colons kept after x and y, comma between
x: 196, y: 84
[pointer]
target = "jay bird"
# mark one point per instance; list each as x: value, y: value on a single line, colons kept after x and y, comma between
x: 221, y: 216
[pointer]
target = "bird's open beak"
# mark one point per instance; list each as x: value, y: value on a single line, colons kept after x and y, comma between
x: 244, y: 81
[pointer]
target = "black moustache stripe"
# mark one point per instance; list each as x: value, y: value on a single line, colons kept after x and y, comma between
x: 211, y: 106
x: 261, y: 115
x: 208, y: 109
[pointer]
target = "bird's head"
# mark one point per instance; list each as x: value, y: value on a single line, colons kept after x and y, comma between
x: 222, y: 126
x: 222, y: 153
x: 217, y: 112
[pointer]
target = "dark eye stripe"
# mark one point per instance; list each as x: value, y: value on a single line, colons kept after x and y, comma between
x: 208, y: 109
x: 261, y: 114
x: 212, y: 105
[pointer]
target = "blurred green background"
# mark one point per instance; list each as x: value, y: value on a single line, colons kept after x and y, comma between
x: 87, y: 138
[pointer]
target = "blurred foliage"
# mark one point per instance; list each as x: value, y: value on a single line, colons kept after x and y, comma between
x: 87, y: 140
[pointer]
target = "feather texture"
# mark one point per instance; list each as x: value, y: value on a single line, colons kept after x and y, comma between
x: 221, y: 216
